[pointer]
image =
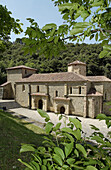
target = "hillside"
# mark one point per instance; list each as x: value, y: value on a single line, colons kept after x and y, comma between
x: 89, y: 53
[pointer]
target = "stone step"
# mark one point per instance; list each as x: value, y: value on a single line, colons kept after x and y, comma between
x: 9, y: 104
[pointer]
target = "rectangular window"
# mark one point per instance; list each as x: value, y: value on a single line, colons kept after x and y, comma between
x: 37, y: 88
x: 70, y: 90
x: 25, y: 71
x: 79, y: 90
x: 23, y: 87
x: 56, y: 93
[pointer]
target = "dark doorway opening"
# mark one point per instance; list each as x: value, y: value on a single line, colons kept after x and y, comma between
x: 40, y: 104
x: 62, y: 110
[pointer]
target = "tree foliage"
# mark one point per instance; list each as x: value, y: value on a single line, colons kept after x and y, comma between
x: 7, y: 24
x: 82, y: 19
x: 89, y: 53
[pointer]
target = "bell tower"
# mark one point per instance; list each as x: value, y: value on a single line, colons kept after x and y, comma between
x: 77, y: 67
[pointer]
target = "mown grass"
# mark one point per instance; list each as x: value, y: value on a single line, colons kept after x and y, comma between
x: 13, y: 132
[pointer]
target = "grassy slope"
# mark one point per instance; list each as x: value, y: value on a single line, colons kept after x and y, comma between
x: 13, y: 132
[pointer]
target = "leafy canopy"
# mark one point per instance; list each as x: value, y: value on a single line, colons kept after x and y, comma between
x: 7, y: 24
x: 95, y: 23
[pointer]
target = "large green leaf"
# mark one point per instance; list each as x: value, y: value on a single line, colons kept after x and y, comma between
x: 70, y: 161
x: 76, y: 167
x: 35, y: 165
x: 43, y: 167
x: 98, y: 139
x: 68, y: 149
x: 64, y: 6
x: 43, y: 114
x: 26, y: 164
x: 84, y: 14
x: 76, y: 152
x: 57, y: 127
x: 49, y: 26
x: 91, y: 162
x: 81, y: 149
x: 97, y: 3
x: 27, y: 148
x: 58, y: 159
x: 49, y: 127
x: 59, y: 152
x: 76, y: 123
x: 56, y: 39
x: 69, y: 137
x: 91, y: 168
x: 76, y: 31
x: 82, y: 25
x: 107, y: 47
x: 34, y: 34
x: 101, y: 116
x: 66, y: 129
x: 103, y: 53
x: 77, y: 134
x: 69, y: 6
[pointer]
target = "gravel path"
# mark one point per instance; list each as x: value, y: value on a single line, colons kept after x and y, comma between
x: 33, y: 117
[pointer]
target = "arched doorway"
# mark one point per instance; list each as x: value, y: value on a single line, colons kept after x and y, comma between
x: 40, y: 104
x: 62, y: 110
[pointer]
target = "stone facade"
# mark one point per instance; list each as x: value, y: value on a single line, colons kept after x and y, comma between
x: 71, y: 92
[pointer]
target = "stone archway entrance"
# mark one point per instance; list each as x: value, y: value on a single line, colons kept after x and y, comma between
x: 62, y: 110
x: 40, y: 104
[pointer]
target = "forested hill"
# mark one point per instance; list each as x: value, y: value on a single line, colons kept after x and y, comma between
x: 14, y: 56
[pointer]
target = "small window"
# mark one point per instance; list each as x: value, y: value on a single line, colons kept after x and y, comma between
x: 25, y: 71
x: 79, y: 90
x: 105, y: 97
x: 56, y: 93
x: 23, y: 87
x: 37, y: 88
x: 70, y: 90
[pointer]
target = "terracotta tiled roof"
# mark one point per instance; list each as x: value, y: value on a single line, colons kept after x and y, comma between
x: 20, y: 67
x: 97, y: 78
x: 77, y: 63
x: 54, y: 77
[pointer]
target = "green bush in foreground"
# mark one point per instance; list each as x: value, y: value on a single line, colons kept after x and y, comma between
x: 64, y: 148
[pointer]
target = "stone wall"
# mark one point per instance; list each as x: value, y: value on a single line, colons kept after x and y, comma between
x: 76, y: 105
x: 22, y: 96
x: 78, y: 69
x: 17, y: 74
x: 79, y: 104
x: 13, y: 76
x: 7, y: 91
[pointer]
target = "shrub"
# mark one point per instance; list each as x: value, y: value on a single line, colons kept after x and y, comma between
x: 64, y: 148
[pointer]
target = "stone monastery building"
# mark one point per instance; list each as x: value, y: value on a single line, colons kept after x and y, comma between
x: 69, y: 92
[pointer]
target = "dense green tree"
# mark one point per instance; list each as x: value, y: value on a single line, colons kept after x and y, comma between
x: 89, y: 53
x: 95, y: 17
x: 7, y: 24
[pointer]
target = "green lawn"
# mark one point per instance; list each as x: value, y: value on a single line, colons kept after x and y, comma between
x: 13, y: 132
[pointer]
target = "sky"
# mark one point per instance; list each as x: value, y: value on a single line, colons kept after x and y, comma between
x: 42, y: 11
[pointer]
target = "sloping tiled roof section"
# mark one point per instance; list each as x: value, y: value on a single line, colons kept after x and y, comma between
x: 98, y: 78
x: 54, y: 77
x: 21, y: 67
x: 4, y: 84
x: 77, y: 63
